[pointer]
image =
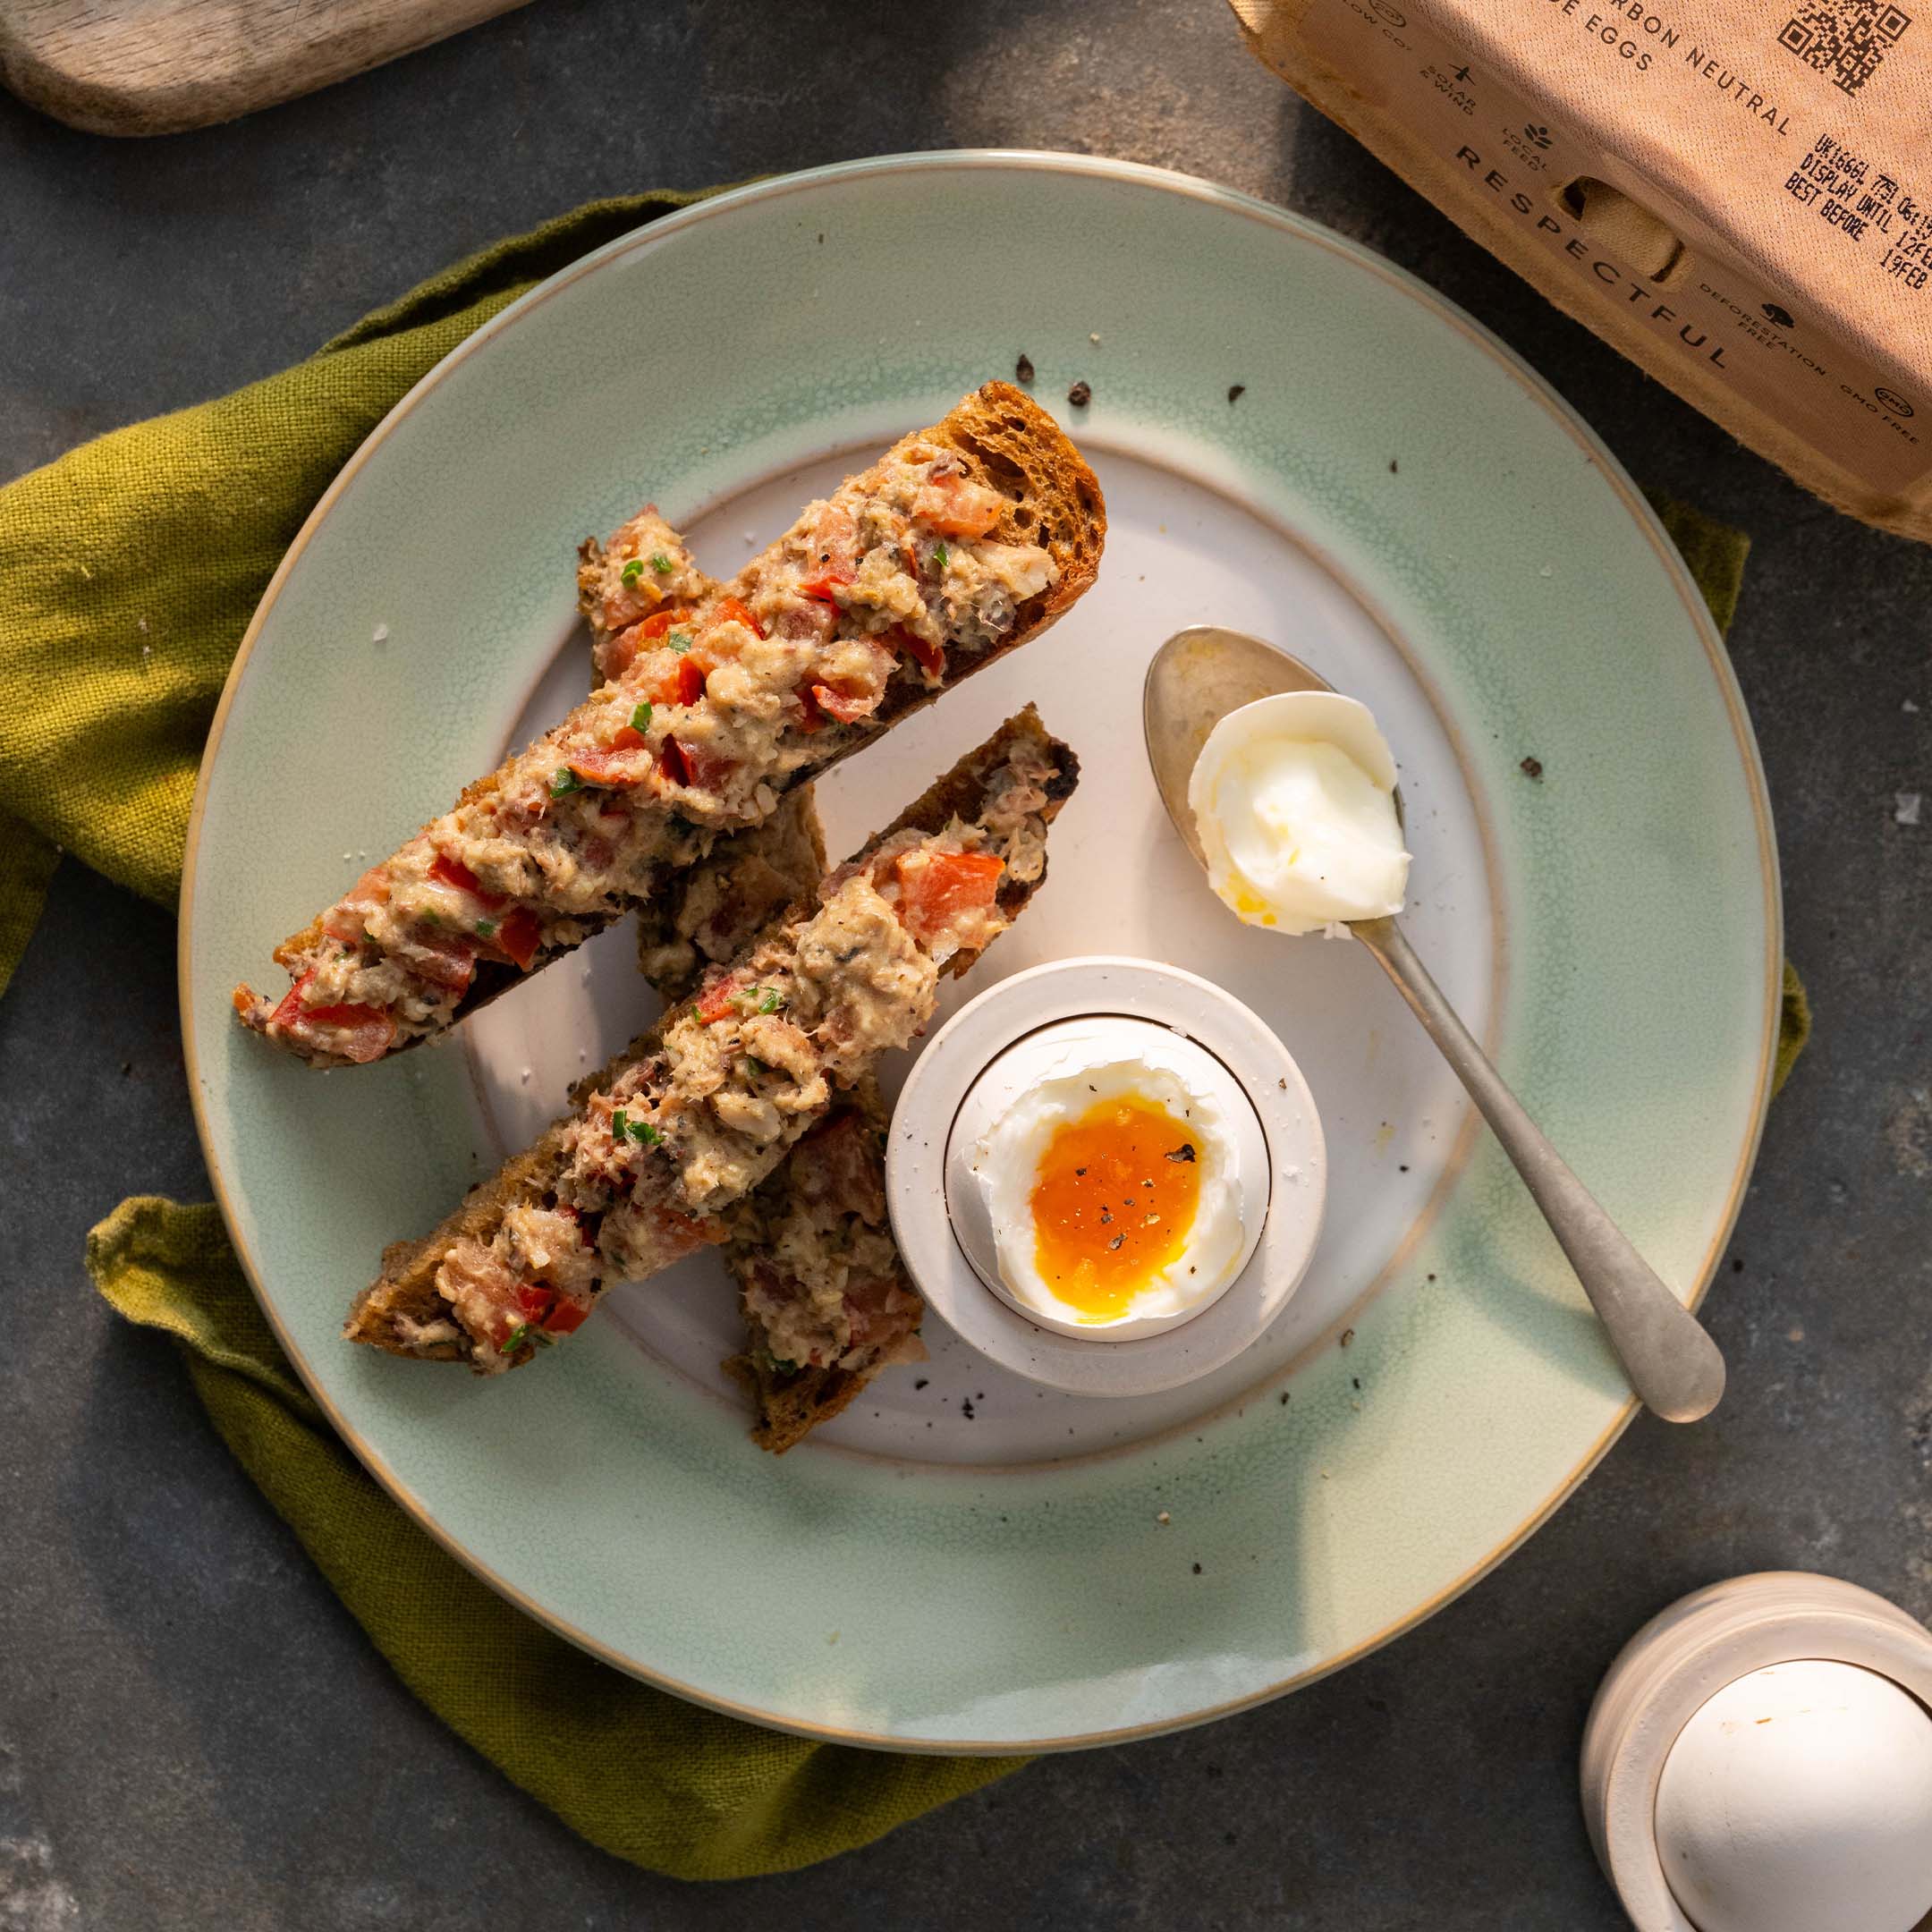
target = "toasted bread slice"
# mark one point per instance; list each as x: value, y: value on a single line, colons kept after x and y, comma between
x: 811, y: 1250
x: 962, y: 543
x: 435, y: 1298
x: 826, y: 1299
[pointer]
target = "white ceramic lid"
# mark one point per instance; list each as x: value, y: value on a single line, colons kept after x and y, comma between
x: 1678, y: 1662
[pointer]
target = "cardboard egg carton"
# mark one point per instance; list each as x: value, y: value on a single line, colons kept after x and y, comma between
x: 1736, y: 194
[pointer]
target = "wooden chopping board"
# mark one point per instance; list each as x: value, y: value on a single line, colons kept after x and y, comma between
x: 160, y: 66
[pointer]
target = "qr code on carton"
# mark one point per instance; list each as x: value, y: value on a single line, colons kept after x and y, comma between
x: 1845, y: 39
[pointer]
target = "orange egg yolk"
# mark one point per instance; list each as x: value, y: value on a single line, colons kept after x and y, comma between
x: 1113, y: 1198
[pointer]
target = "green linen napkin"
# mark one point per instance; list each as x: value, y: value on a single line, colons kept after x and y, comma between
x: 132, y: 566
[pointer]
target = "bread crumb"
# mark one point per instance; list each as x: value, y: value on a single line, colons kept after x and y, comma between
x: 1908, y: 804
x: 1348, y: 1336
x: 1164, y: 1517
x: 1023, y: 369
x: 1236, y: 391
x: 1532, y: 767
x: 380, y: 634
x: 1081, y: 394
x: 1095, y: 339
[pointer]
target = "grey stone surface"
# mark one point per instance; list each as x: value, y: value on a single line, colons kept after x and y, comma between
x: 193, y: 1732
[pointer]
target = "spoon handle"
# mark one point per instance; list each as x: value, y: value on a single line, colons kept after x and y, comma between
x: 1672, y: 1362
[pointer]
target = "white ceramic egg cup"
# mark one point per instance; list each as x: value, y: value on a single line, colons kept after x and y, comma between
x: 924, y: 1123
x: 1678, y: 1662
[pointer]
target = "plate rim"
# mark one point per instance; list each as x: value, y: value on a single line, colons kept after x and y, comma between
x: 1300, y: 228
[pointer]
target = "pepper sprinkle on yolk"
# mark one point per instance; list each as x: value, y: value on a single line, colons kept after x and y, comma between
x: 1113, y: 1198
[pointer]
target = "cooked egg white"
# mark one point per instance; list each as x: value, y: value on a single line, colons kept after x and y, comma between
x: 1113, y: 1191
x: 1294, y: 800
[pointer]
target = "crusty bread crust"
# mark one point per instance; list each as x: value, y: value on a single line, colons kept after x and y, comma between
x: 404, y: 1297
x: 1006, y: 440
x: 790, y: 1407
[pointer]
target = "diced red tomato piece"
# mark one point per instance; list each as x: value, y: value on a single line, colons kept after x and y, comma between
x: 358, y: 1033
x: 455, y: 872
x: 939, y: 888
x: 729, y: 610
x: 687, y: 764
x: 518, y: 935
x: 846, y: 707
x: 444, y: 960
x: 614, y: 766
x: 801, y: 622
x: 714, y: 1001
x: 630, y: 739
x: 565, y: 1315
x: 955, y: 506
x: 835, y: 543
x: 344, y: 921
x: 534, y: 1298
x: 290, y: 1010
x: 616, y: 653
x: 825, y: 589
x: 680, y: 682
x: 928, y: 656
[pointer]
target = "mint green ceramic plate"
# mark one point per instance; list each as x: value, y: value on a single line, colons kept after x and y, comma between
x: 962, y: 1564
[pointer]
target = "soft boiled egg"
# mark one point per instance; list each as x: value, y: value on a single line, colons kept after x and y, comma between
x: 1118, y: 1178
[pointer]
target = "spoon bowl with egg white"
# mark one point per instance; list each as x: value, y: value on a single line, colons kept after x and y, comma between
x: 1286, y: 792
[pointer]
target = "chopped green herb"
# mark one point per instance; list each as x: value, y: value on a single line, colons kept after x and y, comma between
x: 755, y: 1065
x: 644, y: 1133
x: 631, y: 572
x: 640, y: 718
x: 484, y: 928
x: 542, y: 1337
x: 940, y: 556
x: 514, y: 1340
x: 660, y: 562
x: 679, y: 642
x: 563, y: 781
x: 620, y: 1124
x: 771, y: 1003
x: 431, y: 919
